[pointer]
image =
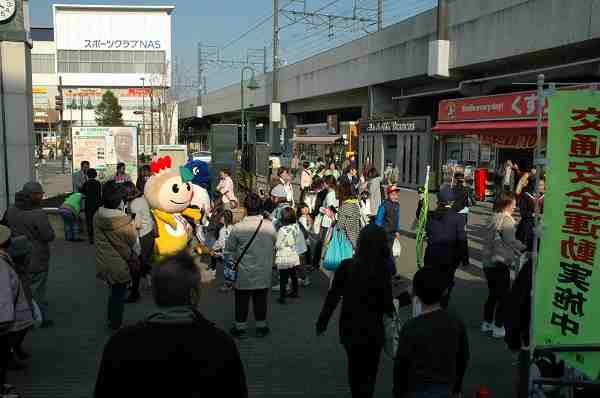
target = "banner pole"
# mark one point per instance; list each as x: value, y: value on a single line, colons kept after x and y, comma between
x: 524, y: 385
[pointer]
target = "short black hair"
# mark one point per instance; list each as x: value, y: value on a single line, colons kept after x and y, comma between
x: 92, y: 173
x: 174, y: 280
x: 288, y: 216
x: 84, y: 163
x: 253, y: 204
x: 430, y: 284
x: 113, y: 194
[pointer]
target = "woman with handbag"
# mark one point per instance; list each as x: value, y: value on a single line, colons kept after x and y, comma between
x: 365, y: 286
x: 249, y: 259
x: 500, y: 251
x: 116, y: 259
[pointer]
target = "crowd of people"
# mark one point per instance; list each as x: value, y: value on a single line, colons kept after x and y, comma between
x: 278, y: 245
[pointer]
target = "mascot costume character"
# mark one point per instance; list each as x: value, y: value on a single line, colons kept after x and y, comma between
x: 169, y: 194
x: 200, y: 185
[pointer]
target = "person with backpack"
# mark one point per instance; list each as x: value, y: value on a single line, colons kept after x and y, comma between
x: 287, y: 256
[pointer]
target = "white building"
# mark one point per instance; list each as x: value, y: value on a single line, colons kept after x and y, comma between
x: 95, y: 48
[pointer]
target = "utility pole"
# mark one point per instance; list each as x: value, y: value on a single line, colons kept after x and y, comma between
x: 59, y: 106
x: 274, y: 131
x: 380, y: 15
x: 151, y: 118
x: 265, y: 61
x: 144, y: 111
x: 201, y: 79
x: 442, y: 20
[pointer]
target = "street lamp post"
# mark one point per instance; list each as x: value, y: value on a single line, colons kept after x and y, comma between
x: 144, y: 110
x: 252, y: 85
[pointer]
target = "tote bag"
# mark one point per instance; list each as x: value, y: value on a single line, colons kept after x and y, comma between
x: 339, y: 249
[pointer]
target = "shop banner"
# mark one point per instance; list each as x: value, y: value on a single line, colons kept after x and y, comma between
x: 104, y: 147
x: 521, y: 105
x: 567, y: 285
x: 509, y: 141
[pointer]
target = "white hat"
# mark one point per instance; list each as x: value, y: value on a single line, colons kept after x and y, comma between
x: 279, y: 192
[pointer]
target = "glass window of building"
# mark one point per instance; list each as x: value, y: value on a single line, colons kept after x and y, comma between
x: 43, y: 63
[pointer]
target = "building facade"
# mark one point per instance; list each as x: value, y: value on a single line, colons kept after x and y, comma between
x: 93, y: 49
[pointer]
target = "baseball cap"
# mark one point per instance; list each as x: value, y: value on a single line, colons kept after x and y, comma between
x: 4, y: 234
x: 392, y: 188
x: 279, y: 191
x: 32, y: 187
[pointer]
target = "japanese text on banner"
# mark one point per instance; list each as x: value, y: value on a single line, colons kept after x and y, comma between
x: 568, y: 275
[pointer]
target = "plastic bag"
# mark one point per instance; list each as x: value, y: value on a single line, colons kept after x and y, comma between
x: 397, y: 248
x: 338, y: 250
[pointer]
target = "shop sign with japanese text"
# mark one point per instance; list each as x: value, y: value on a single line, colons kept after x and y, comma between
x: 521, y: 105
x: 567, y: 286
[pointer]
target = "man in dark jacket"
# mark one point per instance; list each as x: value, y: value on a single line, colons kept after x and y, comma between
x: 446, y: 240
x: 27, y: 218
x: 461, y: 204
x: 174, y: 352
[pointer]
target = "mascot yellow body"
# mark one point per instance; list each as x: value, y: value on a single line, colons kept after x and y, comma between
x: 169, y: 194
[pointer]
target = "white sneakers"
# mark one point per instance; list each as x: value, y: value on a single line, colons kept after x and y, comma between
x: 486, y: 327
x: 304, y: 282
x: 497, y: 332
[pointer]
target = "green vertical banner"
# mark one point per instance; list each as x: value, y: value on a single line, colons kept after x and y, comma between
x: 567, y: 284
x: 422, y: 222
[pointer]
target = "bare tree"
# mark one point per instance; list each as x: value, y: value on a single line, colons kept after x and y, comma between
x: 168, y: 93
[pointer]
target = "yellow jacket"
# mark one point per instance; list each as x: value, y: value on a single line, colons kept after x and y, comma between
x: 174, y: 232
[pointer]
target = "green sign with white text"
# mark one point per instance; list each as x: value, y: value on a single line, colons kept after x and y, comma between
x: 567, y: 285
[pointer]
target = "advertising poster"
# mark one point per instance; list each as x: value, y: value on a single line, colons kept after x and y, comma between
x: 567, y: 285
x: 104, y: 147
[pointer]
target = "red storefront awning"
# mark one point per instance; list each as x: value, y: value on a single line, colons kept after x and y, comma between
x: 496, y: 127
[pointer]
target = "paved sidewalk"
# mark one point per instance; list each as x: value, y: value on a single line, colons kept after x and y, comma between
x: 292, y: 362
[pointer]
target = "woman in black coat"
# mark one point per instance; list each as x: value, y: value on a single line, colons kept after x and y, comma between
x: 364, y: 282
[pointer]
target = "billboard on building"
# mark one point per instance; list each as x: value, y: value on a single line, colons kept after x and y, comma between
x: 104, y: 147
x: 112, y: 46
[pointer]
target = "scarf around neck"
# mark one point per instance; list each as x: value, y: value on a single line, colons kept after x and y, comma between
x: 174, y: 315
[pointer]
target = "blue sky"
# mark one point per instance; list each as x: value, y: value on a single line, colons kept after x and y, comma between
x: 217, y: 22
